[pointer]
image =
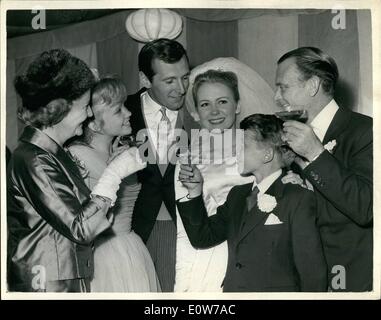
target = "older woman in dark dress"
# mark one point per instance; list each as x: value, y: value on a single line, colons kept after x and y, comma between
x: 52, y: 215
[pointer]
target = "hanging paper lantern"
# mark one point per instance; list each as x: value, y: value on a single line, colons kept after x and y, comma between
x: 149, y: 24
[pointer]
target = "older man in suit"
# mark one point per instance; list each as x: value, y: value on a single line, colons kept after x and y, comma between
x: 273, y: 241
x: 155, y: 109
x: 336, y: 156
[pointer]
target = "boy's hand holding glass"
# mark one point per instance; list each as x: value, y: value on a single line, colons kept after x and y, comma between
x: 191, y: 178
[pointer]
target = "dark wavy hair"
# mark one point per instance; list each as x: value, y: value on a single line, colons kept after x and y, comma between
x: 314, y: 62
x: 227, y: 78
x: 169, y: 51
x: 51, y: 83
x: 267, y: 128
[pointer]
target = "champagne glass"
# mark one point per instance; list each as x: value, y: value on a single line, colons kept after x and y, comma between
x: 298, y: 115
x: 185, y: 158
x: 130, y: 140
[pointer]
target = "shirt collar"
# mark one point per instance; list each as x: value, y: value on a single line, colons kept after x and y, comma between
x: 151, y: 107
x: 324, y: 118
x: 268, y: 181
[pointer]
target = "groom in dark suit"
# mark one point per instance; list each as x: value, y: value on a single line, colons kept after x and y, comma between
x: 336, y: 158
x: 155, y: 114
x: 273, y: 241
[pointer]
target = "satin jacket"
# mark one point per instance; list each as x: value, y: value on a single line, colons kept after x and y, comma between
x: 51, y: 222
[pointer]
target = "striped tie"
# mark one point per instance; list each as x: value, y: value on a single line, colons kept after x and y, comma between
x: 163, y: 131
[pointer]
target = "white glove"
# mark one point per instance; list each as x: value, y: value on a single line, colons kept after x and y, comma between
x: 125, y: 164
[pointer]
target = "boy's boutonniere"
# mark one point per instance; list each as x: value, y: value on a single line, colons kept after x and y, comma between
x: 329, y: 146
x: 266, y: 203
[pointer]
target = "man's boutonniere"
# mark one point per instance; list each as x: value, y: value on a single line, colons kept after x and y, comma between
x: 330, y: 145
x: 266, y: 203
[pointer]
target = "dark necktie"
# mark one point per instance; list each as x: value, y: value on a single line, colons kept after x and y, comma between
x: 251, y: 200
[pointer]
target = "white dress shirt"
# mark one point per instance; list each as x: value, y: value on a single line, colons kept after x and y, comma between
x: 265, y: 184
x: 323, y: 119
x: 152, y: 115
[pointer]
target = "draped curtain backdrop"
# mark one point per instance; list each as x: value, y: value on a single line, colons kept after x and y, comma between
x: 257, y: 37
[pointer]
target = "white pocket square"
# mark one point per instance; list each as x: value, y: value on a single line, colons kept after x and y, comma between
x: 272, y: 219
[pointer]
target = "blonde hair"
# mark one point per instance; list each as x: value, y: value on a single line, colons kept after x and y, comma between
x: 109, y: 90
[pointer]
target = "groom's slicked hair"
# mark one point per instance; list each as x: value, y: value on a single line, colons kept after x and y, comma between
x: 268, y: 128
x: 166, y: 50
x: 314, y: 62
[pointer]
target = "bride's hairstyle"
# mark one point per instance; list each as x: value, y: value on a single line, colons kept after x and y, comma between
x: 51, y: 83
x: 227, y: 78
x: 267, y: 128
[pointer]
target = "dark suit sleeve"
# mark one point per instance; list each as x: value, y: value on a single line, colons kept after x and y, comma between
x: 307, y: 247
x: 347, y: 187
x: 204, y: 231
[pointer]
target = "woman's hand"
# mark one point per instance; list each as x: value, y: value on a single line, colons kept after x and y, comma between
x: 191, y: 178
x: 294, y: 178
x: 126, y: 162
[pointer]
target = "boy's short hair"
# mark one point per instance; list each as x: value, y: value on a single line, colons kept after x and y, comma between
x: 268, y: 128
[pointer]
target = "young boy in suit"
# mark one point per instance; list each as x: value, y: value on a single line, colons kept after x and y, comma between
x: 273, y: 242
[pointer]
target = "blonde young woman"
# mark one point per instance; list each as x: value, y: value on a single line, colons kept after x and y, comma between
x: 122, y: 262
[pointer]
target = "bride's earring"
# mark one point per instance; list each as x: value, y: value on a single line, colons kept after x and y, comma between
x: 238, y: 108
x: 195, y: 116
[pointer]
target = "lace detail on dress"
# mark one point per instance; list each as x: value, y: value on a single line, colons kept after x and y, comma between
x: 79, y: 163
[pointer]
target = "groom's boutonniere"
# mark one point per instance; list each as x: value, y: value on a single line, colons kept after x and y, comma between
x: 329, y: 146
x: 266, y: 203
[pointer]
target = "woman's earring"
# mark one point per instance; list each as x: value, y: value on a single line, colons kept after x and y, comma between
x: 195, y: 116
x: 93, y: 126
x: 238, y: 108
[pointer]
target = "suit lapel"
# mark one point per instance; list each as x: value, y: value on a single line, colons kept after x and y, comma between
x: 338, y: 124
x: 256, y: 217
x: 134, y: 105
x: 138, y: 122
x: 241, y: 207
